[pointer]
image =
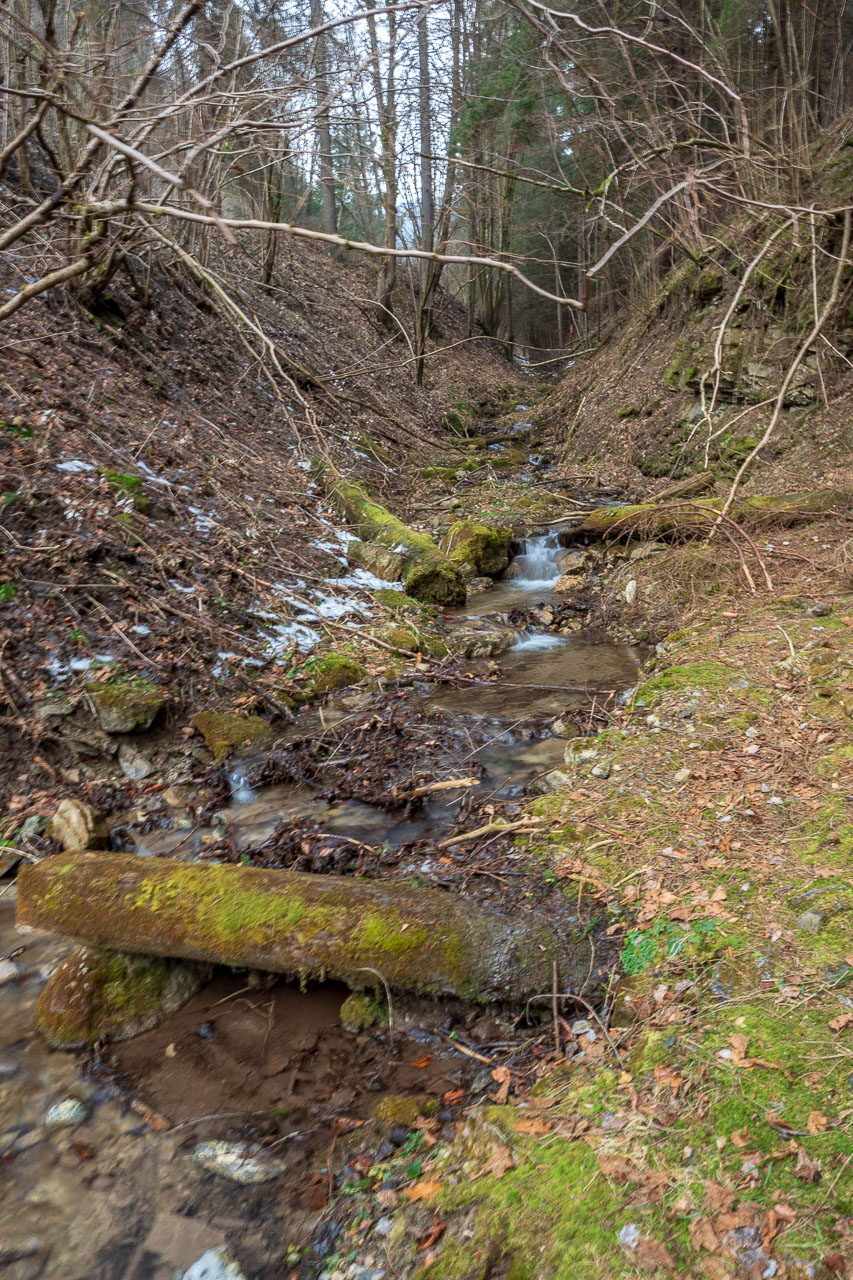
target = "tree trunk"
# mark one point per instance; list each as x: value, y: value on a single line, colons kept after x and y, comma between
x: 322, y: 927
x: 324, y: 132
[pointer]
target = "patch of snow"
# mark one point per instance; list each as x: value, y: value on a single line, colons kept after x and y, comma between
x: 74, y: 464
x: 141, y: 629
x: 187, y: 591
x: 151, y: 475
x: 364, y: 578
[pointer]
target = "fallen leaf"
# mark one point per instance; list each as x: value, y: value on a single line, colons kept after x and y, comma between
x: 703, y: 1235
x: 532, y: 1125
x: 421, y: 1191
x: 816, y: 1123
x: 502, y: 1077
x: 620, y: 1168
x: 387, y: 1198
x: 432, y: 1236
x: 499, y: 1162
x: 423, y: 1062
x: 718, y: 1198
x: 650, y: 1255
x: 152, y: 1118
x: 665, y: 1075
x: 453, y: 1096
x: 805, y: 1168
x: 739, y: 1043
x: 834, y: 1262
x: 843, y: 1020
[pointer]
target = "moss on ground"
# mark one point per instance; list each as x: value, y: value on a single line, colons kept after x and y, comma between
x: 335, y: 671
x: 129, y: 488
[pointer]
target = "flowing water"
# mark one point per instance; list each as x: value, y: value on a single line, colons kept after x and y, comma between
x: 108, y: 1197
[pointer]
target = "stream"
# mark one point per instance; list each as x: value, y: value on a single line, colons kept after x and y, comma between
x: 98, y: 1185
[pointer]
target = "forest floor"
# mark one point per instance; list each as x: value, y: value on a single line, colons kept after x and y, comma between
x: 169, y: 531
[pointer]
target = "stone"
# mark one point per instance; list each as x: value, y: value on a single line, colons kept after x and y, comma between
x: 224, y: 730
x: 384, y: 562
x: 482, y: 546
x: 35, y: 825
x: 65, y: 1114
x: 8, y: 971
x: 681, y: 775
x: 564, y: 728
x: 384, y: 1226
x: 631, y: 591
x: 98, y: 995
x: 572, y: 561
x: 810, y: 922
x: 600, y: 770
x: 133, y: 763
x: 244, y: 1162
x: 54, y: 707
x: 126, y: 706
x: 478, y: 585
x: 216, y: 1264
x: 76, y: 825
x: 570, y: 583
x: 579, y: 750
x: 480, y: 642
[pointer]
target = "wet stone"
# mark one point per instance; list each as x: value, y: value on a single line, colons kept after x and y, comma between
x: 216, y: 1264
x: 246, y: 1163
x: 77, y: 825
x: 65, y: 1114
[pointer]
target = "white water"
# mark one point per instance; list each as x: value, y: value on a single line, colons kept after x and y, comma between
x: 536, y: 568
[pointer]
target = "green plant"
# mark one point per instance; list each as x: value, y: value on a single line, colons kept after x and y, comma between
x: 77, y: 637
x: 7, y: 592
x: 663, y: 939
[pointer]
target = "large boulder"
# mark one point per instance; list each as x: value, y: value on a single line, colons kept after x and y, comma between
x: 126, y: 706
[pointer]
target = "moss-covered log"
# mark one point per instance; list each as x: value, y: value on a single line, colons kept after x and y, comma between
x: 687, y: 519
x: 292, y: 923
x: 427, y: 574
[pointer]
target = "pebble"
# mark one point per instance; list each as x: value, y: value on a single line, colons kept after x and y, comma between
x: 600, y: 771
x: 64, y: 1114
x: 8, y: 971
x: 810, y: 922
x: 216, y: 1264
x: 384, y: 1225
x: 681, y: 776
x: 238, y: 1161
x: 629, y: 1236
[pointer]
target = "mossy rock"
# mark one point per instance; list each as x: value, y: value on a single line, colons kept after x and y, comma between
x: 128, y: 488
x: 403, y: 1110
x: 709, y: 285
x: 335, y: 671
x: 98, y: 995
x: 447, y: 474
x: 413, y: 641
x: 359, y: 1012
x: 397, y: 601
x: 126, y: 706
x: 486, y: 547
x: 224, y: 730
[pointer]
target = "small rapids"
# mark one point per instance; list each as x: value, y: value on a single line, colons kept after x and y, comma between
x: 536, y: 567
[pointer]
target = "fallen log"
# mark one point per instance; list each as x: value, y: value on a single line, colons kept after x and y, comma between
x: 689, y: 519
x: 427, y: 573
x: 307, y: 926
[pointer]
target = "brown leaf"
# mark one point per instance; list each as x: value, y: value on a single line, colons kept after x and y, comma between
x: 152, y: 1118
x: 665, y: 1075
x: 703, y: 1235
x: 532, y: 1125
x: 499, y: 1162
x: 816, y: 1123
x: 423, y: 1062
x: 834, y: 1262
x: 739, y: 1043
x: 431, y: 1237
x: 805, y: 1168
x: 387, y: 1198
x: 502, y: 1076
x: 620, y: 1168
x: 453, y: 1096
x: 651, y: 1255
x: 421, y: 1191
x: 718, y: 1198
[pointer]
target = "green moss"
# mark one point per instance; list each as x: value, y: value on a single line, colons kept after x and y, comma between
x: 708, y: 286
x: 384, y: 933
x: 111, y: 995
x: 708, y: 676
x: 128, y: 487
x: 125, y: 706
x: 335, y: 671
x: 447, y: 474
x: 629, y: 411
x: 225, y: 730
x: 359, y: 1011
x: 404, y: 1109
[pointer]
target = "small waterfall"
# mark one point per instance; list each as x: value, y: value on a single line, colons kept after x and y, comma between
x: 536, y: 567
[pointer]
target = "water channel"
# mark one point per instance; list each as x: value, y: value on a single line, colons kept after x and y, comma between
x: 91, y: 1188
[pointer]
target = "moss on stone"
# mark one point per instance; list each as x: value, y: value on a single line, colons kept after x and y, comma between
x: 359, y: 1012
x: 335, y: 671
x: 99, y: 995
x: 404, y: 1110
x: 224, y: 730
x: 126, y: 706
x: 483, y: 546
